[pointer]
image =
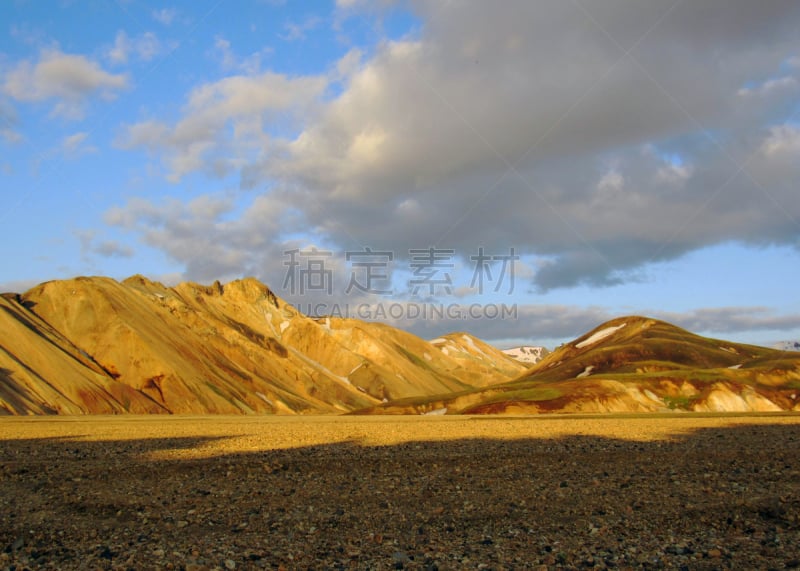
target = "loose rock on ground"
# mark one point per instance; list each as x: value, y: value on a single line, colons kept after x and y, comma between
x: 490, y: 493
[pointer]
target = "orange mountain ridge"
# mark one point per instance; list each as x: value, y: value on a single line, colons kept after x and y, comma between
x: 98, y: 346
x: 95, y: 345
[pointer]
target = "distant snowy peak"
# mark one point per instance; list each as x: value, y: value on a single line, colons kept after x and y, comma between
x: 787, y: 346
x: 527, y: 354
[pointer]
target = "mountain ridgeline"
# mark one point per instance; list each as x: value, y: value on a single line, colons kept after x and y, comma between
x: 95, y: 345
x: 98, y: 346
x: 635, y: 364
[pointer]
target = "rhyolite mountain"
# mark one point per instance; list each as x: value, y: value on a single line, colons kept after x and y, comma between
x: 99, y: 346
x: 634, y: 364
x: 95, y: 345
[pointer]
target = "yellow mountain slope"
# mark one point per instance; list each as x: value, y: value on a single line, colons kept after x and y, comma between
x: 41, y: 372
x: 199, y: 349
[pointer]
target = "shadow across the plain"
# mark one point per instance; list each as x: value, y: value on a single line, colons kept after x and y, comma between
x: 711, y: 496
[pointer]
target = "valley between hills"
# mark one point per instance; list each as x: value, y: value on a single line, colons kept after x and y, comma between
x: 98, y: 346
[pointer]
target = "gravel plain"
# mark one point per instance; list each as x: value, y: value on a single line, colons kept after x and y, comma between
x: 683, y: 491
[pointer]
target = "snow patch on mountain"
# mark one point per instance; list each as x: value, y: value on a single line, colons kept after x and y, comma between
x: 599, y: 336
x: 263, y: 397
x: 527, y: 353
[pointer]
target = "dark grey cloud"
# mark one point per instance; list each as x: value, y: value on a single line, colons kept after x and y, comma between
x: 596, y: 136
x: 525, y: 324
x: 550, y: 324
x: 729, y: 320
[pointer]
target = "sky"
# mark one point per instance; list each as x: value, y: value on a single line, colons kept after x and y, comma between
x: 523, y: 170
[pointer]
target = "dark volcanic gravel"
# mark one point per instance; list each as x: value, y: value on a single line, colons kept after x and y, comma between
x: 396, y: 494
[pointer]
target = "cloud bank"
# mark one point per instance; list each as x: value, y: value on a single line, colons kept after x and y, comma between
x: 594, y: 137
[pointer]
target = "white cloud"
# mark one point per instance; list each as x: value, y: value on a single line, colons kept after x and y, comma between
x: 149, y: 134
x: 148, y: 46
x: 674, y: 174
x: 75, y: 145
x: 198, y: 236
x: 782, y: 140
x: 770, y: 86
x: 144, y: 48
x: 74, y: 142
x: 8, y: 124
x: 225, y: 55
x: 349, y: 64
x: 91, y: 246
x: 165, y: 15
x: 431, y: 124
x: 68, y: 79
x: 113, y: 249
x: 118, y: 53
x: 732, y: 319
x: 611, y: 181
x: 298, y: 30
x: 71, y: 147
x: 249, y: 65
x: 230, y: 114
x: 775, y: 166
x: 10, y: 135
x: 537, y: 323
x: 408, y: 207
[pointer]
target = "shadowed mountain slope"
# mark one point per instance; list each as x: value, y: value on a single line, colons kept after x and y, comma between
x: 41, y: 372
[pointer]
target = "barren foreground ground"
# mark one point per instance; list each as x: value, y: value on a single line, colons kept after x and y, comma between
x: 682, y: 491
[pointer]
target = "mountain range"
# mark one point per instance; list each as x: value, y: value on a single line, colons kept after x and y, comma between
x: 635, y: 364
x: 93, y: 345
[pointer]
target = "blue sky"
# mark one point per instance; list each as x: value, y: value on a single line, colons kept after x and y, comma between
x: 639, y: 159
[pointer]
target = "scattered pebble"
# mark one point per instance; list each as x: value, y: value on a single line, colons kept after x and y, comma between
x: 522, y: 494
